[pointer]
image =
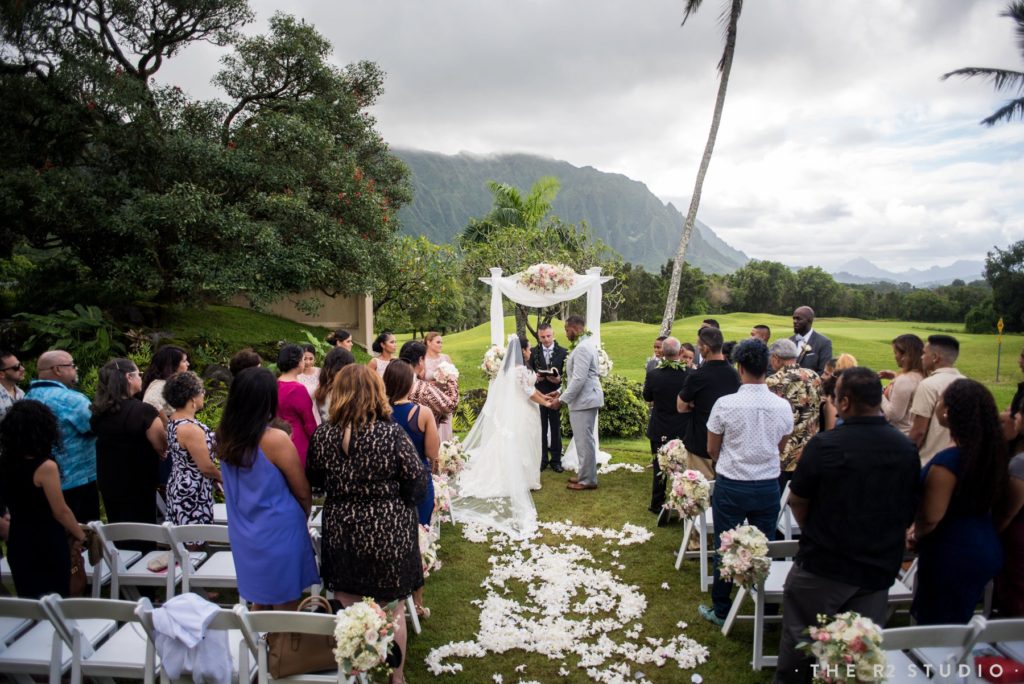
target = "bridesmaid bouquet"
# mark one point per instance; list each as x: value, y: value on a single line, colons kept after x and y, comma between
x: 493, y: 358
x: 444, y: 372
x: 442, y: 500
x: 604, y: 362
x: 451, y: 457
x: 745, y: 560
x: 672, y: 457
x: 690, y: 494
x: 547, y: 278
x: 848, y: 649
x: 428, y: 551
x: 364, y: 632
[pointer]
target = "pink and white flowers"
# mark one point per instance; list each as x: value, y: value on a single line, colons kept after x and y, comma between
x: 364, y: 632
x: 445, y: 373
x: 548, y: 278
x: 428, y: 550
x: 452, y: 457
x: 604, y: 362
x: 442, y: 500
x: 689, y: 495
x: 848, y: 649
x: 672, y: 457
x: 493, y: 358
x: 744, y: 551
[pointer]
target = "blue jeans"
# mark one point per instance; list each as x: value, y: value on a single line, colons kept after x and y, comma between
x: 757, y: 502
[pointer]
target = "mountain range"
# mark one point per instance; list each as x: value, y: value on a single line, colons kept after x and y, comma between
x: 860, y: 270
x: 623, y: 213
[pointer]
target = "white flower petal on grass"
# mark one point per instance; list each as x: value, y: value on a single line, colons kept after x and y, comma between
x: 664, y: 585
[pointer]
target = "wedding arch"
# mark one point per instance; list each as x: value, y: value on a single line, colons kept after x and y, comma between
x: 588, y: 284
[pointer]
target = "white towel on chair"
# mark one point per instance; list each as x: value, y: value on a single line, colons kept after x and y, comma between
x: 184, y: 644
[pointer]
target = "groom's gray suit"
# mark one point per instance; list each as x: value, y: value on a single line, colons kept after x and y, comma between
x: 584, y: 396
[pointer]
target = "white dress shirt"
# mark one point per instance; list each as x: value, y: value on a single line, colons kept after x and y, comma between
x: 752, y: 422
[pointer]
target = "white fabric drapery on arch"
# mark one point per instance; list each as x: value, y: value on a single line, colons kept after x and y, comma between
x: 588, y: 284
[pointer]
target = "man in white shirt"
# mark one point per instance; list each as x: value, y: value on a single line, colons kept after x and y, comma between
x: 12, y: 373
x: 746, y: 433
x: 938, y: 360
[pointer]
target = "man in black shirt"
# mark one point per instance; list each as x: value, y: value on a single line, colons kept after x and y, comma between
x: 703, y: 387
x: 661, y: 387
x: 854, y: 493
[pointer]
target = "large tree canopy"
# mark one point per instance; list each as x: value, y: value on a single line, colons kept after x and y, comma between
x: 129, y: 189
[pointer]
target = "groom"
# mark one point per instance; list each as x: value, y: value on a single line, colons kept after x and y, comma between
x: 583, y: 396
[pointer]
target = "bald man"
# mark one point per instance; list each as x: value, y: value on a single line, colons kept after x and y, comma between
x: 813, y: 349
x: 76, y: 456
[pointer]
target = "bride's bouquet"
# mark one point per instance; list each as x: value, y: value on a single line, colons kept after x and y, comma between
x: 452, y: 457
x: 745, y: 560
x: 445, y: 372
x: 428, y: 550
x: 604, y: 362
x: 848, y: 649
x: 547, y: 278
x: 493, y: 358
x: 364, y: 632
x: 672, y: 457
x: 690, y: 494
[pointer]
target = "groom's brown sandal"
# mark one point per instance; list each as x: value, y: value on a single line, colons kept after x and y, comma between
x: 573, y: 479
x: 577, y: 486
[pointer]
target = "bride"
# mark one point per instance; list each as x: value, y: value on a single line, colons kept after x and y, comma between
x: 504, y: 452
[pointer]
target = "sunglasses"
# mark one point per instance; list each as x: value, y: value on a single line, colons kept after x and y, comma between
x: 15, y: 367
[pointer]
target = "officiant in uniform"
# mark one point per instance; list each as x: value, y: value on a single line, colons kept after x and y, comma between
x: 661, y: 387
x: 547, y: 360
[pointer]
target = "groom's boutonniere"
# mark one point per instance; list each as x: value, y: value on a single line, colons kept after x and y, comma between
x: 804, y: 348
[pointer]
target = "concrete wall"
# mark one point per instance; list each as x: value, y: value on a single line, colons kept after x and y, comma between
x: 354, y: 314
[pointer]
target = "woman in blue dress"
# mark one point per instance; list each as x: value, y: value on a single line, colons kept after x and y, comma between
x: 958, y: 550
x: 268, y: 497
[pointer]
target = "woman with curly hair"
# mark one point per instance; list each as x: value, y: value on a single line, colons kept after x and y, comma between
x: 958, y: 549
x: 191, y: 447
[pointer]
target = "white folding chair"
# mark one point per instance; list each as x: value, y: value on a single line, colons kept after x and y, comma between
x: 316, y: 518
x: 705, y: 526
x: 138, y: 573
x: 917, y: 653
x: 787, y: 526
x: 220, y: 514
x: 128, y: 653
x: 410, y: 612
x: 217, y: 571
x: 45, y: 649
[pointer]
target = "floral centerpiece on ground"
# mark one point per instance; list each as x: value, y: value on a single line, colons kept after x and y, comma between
x: 672, y: 457
x: 548, y: 278
x: 689, y: 495
x: 442, y: 500
x: 848, y: 649
x: 451, y: 457
x: 744, y: 551
x: 604, y: 362
x: 493, y: 358
x: 445, y: 372
x: 364, y: 632
x: 428, y: 550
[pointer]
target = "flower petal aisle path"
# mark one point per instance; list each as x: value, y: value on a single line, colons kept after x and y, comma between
x: 593, y: 598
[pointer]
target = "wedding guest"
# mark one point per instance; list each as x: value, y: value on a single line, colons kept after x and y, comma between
x: 41, y: 521
x: 844, y: 361
x: 267, y: 495
x: 309, y: 374
x: 1008, y: 599
x: 958, y: 549
x: 706, y: 323
x: 1018, y: 398
x: 814, y: 349
x: 431, y: 361
x: 75, y: 452
x: 440, y: 399
x: 372, y: 476
x: 828, y: 417
x: 12, y: 374
x: 418, y: 423
x: 854, y: 494
x: 714, y: 379
x: 746, y: 432
x: 167, y: 361
x: 336, y: 359
x: 687, y: 354
x: 245, y: 358
x: 341, y: 338
x: 294, y: 404
x: 655, y: 358
x: 384, y: 347
x: 661, y: 387
x: 939, y: 364
x: 191, y: 448
x: 899, y: 395
x: 798, y: 386
x: 761, y: 332
x: 130, y: 441
x: 547, y: 360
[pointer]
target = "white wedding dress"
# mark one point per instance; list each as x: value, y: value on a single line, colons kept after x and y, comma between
x: 504, y: 454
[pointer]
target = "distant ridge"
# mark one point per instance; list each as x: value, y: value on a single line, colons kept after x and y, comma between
x: 860, y: 270
x: 624, y: 213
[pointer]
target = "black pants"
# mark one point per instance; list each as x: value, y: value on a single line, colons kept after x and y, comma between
x: 550, y: 437
x: 84, y: 502
x: 658, y: 485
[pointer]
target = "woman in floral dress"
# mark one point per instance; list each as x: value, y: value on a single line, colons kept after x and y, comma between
x: 192, y: 449
x: 440, y: 399
x: 431, y: 361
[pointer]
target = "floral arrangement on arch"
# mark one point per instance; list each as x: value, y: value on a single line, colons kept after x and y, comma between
x: 445, y: 372
x: 745, y: 561
x: 848, y: 648
x: 672, y: 458
x: 604, y: 362
x: 548, y: 278
x: 428, y: 550
x: 493, y: 358
x: 451, y: 457
x: 442, y: 500
x: 689, y: 495
x: 364, y: 632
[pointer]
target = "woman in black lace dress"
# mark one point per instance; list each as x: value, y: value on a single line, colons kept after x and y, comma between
x: 372, y: 476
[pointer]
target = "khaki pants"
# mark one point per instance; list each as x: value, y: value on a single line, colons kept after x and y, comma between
x: 702, y: 465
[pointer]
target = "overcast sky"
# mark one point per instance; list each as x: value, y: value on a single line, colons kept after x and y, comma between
x: 838, y: 138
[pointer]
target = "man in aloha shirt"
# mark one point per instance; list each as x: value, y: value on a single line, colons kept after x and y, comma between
x: 801, y: 388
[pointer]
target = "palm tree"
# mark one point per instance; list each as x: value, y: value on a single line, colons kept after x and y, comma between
x: 512, y: 210
x: 1003, y: 79
x: 730, y: 17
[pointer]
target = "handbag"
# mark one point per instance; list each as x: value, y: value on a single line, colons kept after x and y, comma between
x: 76, y: 587
x: 294, y: 653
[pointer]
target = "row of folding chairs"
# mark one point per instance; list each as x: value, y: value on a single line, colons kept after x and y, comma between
x: 101, y: 639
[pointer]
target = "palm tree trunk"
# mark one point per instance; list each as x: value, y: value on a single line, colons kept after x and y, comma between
x: 691, y: 214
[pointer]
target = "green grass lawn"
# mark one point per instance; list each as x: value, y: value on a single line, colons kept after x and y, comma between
x: 629, y: 344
